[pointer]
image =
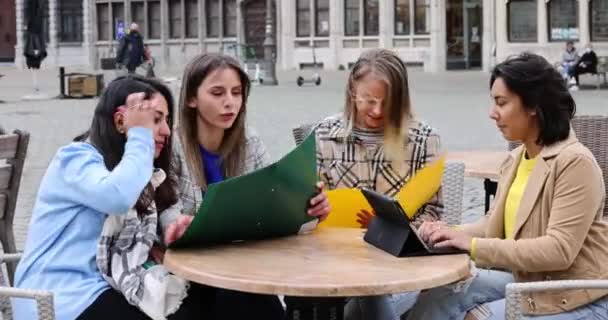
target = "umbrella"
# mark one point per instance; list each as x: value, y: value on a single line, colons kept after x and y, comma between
x: 35, y: 49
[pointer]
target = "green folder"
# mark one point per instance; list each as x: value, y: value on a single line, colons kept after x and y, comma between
x: 270, y: 202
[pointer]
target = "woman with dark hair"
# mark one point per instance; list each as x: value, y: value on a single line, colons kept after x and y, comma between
x: 546, y: 223
x: 107, y: 171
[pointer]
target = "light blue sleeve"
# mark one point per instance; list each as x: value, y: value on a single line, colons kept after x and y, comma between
x: 87, y: 180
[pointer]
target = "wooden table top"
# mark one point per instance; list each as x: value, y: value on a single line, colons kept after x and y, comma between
x: 480, y: 163
x: 330, y: 262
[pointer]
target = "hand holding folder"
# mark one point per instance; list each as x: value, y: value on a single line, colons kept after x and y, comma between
x: 266, y: 203
x: 347, y: 202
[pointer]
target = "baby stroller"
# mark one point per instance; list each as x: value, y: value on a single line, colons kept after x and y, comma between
x: 316, y: 77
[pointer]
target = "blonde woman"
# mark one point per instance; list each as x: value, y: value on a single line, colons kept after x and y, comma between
x: 214, y: 144
x: 377, y: 143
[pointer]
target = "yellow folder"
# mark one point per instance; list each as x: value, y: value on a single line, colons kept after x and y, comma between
x: 346, y: 203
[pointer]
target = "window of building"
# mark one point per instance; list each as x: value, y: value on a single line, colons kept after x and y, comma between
x: 422, y: 16
x: 599, y: 20
x: 351, y: 17
x: 45, y: 20
x: 229, y: 18
x: 103, y: 21
x: 213, y: 18
x: 175, y: 19
x: 191, y: 18
x: 402, y: 17
x: 118, y: 17
x: 321, y: 18
x: 371, y: 13
x: 138, y: 15
x: 70, y: 20
x: 522, y: 20
x: 302, y: 18
x: 563, y: 20
x: 154, y: 19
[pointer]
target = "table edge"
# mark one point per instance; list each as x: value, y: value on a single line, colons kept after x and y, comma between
x: 268, y: 287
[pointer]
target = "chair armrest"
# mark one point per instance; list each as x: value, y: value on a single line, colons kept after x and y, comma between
x: 9, y: 257
x: 514, y: 291
x: 44, y: 300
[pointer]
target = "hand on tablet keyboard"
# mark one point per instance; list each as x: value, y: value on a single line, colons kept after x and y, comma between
x: 428, y: 227
x: 445, y: 237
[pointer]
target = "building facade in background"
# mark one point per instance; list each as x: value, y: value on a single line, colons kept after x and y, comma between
x: 437, y: 34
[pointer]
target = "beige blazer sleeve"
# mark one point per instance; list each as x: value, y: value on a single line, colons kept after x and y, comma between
x: 476, y: 229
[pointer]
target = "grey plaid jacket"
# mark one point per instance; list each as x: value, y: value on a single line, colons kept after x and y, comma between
x: 191, y: 194
x: 345, y: 160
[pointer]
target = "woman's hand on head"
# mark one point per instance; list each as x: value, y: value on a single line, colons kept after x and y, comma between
x: 137, y: 112
x: 176, y: 229
x: 319, y: 205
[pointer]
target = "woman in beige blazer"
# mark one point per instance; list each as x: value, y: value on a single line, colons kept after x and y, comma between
x: 546, y: 222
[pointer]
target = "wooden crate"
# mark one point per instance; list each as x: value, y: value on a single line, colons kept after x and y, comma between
x: 75, y: 84
x: 85, y: 85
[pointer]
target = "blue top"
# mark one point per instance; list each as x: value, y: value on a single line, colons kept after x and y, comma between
x: 75, y: 196
x: 212, y: 165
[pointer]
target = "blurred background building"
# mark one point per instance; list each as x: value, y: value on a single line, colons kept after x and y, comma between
x: 436, y: 34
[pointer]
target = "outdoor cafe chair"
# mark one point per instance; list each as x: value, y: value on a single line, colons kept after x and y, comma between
x: 13, y: 149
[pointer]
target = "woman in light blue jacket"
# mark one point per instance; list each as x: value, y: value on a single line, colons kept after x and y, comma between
x: 103, y: 172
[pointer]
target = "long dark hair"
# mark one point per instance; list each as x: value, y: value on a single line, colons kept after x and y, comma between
x: 232, y: 148
x: 104, y: 136
x: 541, y: 88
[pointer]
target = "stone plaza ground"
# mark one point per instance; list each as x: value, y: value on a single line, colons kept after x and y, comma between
x: 456, y: 103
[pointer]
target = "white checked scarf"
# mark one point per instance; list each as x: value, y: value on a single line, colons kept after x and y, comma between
x: 123, y: 258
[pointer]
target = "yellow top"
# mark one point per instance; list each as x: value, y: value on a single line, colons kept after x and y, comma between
x: 516, y: 192
x: 524, y: 169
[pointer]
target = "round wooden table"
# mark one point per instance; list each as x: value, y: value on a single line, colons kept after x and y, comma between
x: 330, y: 262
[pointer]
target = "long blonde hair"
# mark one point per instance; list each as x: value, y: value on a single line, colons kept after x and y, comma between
x: 232, y: 148
x: 386, y: 66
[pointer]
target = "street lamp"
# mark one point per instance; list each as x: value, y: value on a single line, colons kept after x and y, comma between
x: 269, y: 48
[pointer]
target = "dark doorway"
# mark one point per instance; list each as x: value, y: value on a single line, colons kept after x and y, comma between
x: 463, y: 34
x: 255, y: 28
x: 8, y: 31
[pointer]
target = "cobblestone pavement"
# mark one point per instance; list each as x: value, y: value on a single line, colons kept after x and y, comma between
x: 456, y: 103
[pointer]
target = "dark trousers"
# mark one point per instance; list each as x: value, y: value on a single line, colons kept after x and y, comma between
x: 202, y: 302
x: 578, y: 70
